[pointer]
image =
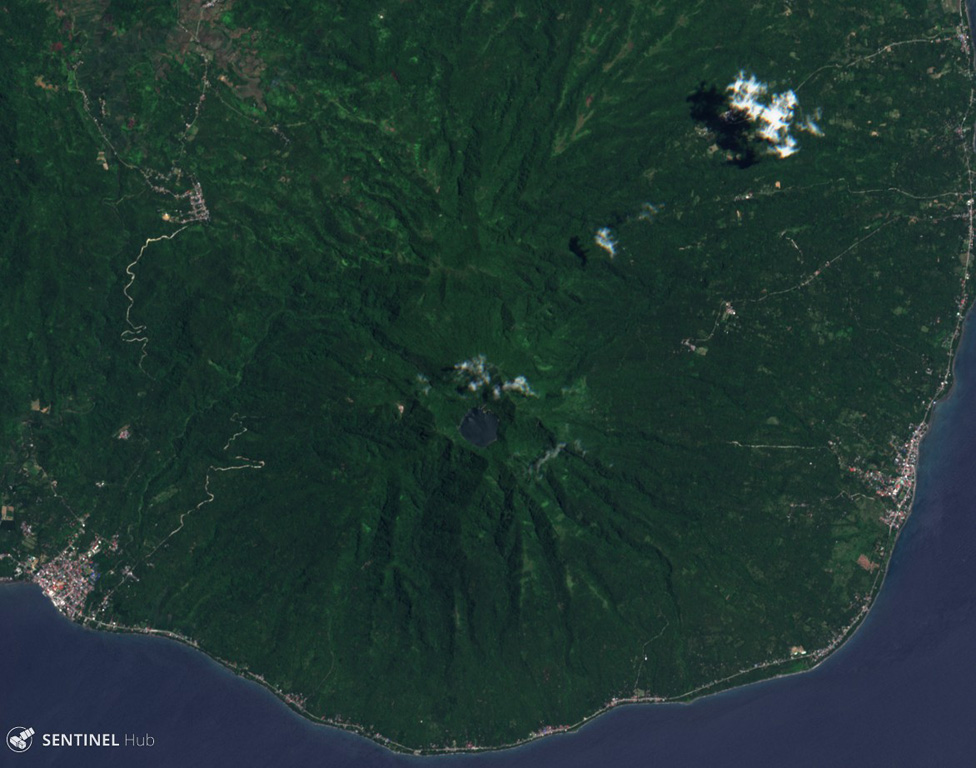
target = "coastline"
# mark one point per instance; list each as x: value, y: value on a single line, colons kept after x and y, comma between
x: 715, y: 688
x: 813, y: 660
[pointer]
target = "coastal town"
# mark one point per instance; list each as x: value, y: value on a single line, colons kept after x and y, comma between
x: 69, y: 577
x: 900, y: 488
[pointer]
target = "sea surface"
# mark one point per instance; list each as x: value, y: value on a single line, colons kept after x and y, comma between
x: 901, y: 691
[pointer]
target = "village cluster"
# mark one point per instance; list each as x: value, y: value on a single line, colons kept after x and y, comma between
x: 69, y: 577
x: 900, y: 488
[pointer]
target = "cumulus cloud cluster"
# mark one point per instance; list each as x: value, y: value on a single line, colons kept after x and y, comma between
x: 773, y: 117
x: 475, y: 375
x: 605, y: 240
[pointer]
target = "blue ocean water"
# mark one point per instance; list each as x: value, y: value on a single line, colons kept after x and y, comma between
x: 901, y: 692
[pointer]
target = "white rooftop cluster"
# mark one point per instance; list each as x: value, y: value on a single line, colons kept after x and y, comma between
x: 476, y: 372
x: 773, y: 119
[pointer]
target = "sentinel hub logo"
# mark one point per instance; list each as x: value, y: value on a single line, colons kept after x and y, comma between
x: 19, y: 739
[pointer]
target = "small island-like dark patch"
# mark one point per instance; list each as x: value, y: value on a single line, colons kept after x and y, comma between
x: 479, y: 427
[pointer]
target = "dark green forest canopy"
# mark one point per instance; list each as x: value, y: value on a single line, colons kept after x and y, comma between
x: 259, y: 260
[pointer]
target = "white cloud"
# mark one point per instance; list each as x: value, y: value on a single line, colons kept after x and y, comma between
x: 476, y: 373
x: 773, y: 118
x: 605, y: 240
